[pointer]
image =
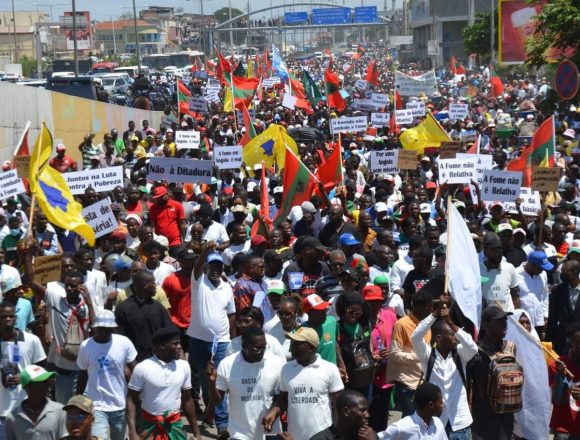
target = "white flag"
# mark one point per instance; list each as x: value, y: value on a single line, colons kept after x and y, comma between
x: 534, y: 418
x: 463, y: 267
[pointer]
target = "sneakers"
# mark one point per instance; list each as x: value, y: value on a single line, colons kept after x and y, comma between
x: 223, y: 434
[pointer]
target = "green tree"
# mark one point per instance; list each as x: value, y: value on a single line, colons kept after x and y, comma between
x: 476, y: 38
x: 28, y: 65
x: 222, y: 15
x: 557, y: 26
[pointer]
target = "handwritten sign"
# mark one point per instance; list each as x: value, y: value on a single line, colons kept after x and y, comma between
x: 180, y: 170
x: 379, y: 100
x: 352, y: 124
x: 484, y: 162
x: 404, y: 116
x: 531, y: 203
x: 501, y: 186
x: 270, y: 82
x: 360, y: 84
x: 384, y: 162
x: 100, y: 217
x: 545, y: 179
x: 187, y: 139
x: 10, y: 184
x: 449, y: 150
x: 101, y: 179
x: 289, y: 101
x: 407, y: 160
x: 458, y: 111
x: 415, y: 85
x: 364, y: 105
x: 228, y: 157
x: 417, y: 108
x: 198, y: 105
x: 22, y: 165
x: 457, y: 170
x: 47, y: 269
x: 380, y: 119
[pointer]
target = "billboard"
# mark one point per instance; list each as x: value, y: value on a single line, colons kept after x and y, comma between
x: 365, y: 14
x: 517, y: 24
x: 295, y: 17
x: 331, y: 16
x: 83, y: 27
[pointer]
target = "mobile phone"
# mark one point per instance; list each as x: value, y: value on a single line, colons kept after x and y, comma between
x: 271, y: 436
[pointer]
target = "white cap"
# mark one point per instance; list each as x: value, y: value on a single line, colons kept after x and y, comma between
x: 425, y: 208
x: 380, y: 207
x: 278, y: 190
x: 504, y: 227
x: 257, y: 167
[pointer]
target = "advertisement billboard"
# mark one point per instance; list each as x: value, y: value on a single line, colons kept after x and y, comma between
x: 83, y: 27
x: 331, y: 16
x: 295, y: 17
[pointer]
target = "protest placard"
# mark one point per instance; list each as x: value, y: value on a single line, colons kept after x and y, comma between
x: 47, y: 269
x: 385, y: 161
x: 457, y: 170
x: 501, y: 186
x: 214, y: 98
x: 417, y: 108
x: 404, y: 116
x: 352, y: 124
x: 360, y: 84
x: 289, y: 101
x: 415, y: 85
x: 379, y: 100
x: 101, y: 179
x: 364, y: 105
x: 407, y: 160
x: 457, y: 111
x: 448, y: 150
x: 187, y: 139
x: 483, y: 162
x: 229, y: 157
x: 100, y: 217
x: 380, y: 119
x: 545, y: 179
x: 198, y: 105
x: 10, y: 184
x: 270, y: 82
x: 22, y: 163
x: 530, y: 203
x: 180, y: 170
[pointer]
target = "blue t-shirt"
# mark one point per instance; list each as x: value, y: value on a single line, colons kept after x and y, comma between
x: 24, y: 315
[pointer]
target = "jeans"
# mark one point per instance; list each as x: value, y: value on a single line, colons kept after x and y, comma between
x: 66, y: 385
x: 460, y: 434
x: 379, y: 408
x: 404, y: 398
x: 2, y: 428
x: 199, y: 356
x: 109, y: 425
x: 565, y: 436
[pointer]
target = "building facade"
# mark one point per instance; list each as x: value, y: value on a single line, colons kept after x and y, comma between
x: 117, y: 37
x: 25, y: 33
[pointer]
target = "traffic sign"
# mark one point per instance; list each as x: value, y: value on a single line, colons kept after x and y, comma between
x: 331, y: 16
x: 295, y: 17
x: 365, y: 14
x: 567, y: 79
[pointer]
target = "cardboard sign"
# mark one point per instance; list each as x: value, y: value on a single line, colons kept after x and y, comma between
x: 415, y: 85
x: 407, y: 160
x: 187, y: 139
x: 531, y: 203
x: 352, y: 124
x: 404, y: 116
x: 198, y: 105
x: 545, y: 179
x: 364, y: 105
x: 289, y: 101
x: 360, y: 84
x: 501, y: 186
x: 100, y: 217
x: 380, y: 119
x: 22, y: 163
x: 228, y: 157
x: 270, y: 82
x: 384, y: 162
x: 180, y: 170
x: 458, y: 111
x: 10, y: 184
x: 417, y: 108
x: 240, y: 116
x: 101, y: 179
x: 47, y: 269
x: 448, y: 150
x: 457, y: 170
x: 380, y: 100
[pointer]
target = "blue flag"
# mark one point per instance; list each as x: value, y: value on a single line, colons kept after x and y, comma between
x: 278, y: 65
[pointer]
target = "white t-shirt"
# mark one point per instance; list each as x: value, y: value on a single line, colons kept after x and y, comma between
x: 309, y: 389
x: 399, y: 272
x: 96, y: 282
x: 105, y: 365
x: 252, y: 388
x: 376, y: 271
x: 534, y: 295
x: 274, y: 346
x: 31, y: 352
x: 161, y: 272
x: 501, y: 280
x: 210, y: 307
x: 160, y: 384
x: 229, y: 253
x: 216, y: 232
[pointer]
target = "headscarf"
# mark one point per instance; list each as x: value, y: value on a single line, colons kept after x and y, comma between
x: 518, y: 314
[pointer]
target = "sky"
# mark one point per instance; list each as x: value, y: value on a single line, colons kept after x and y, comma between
x: 102, y: 10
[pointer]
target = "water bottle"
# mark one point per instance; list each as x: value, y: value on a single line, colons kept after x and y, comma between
x: 380, y: 347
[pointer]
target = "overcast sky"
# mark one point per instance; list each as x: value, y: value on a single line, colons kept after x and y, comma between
x: 102, y: 10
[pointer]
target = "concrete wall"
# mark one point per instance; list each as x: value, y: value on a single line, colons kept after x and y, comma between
x: 68, y: 118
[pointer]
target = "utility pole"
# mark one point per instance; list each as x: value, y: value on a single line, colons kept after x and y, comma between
x: 492, y: 39
x: 15, y: 41
x: 75, y: 54
x: 137, y: 52
x: 471, y: 12
x: 114, y: 38
x: 231, y: 32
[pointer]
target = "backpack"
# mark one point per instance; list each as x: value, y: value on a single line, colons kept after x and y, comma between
x: 505, y: 382
x: 357, y: 357
x: 75, y: 335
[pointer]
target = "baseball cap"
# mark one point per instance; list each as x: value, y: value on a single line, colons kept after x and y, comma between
x: 520, y: 231
x: 502, y: 227
x: 425, y: 208
x: 430, y: 185
x: 60, y: 147
x: 314, y: 302
x: 459, y: 204
x: 105, y: 318
x: 185, y: 253
x: 305, y: 334
x: 309, y: 242
x: 10, y: 282
x: 539, y: 258
x: 257, y: 240
x: 380, y: 207
x: 574, y: 247
x: 493, y: 312
x: 372, y: 293
x: 278, y: 190
x: 276, y: 287
x: 425, y: 159
x: 134, y: 138
x: 494, y: 205
x: 308, y: 207
x: 239, y: 208
x: 81, y: 402
x: 257, y: 167
x: 491, y: 240
x: 159, y: 191
x: 381, y: 279
x: 215, y: 257
x: 348, y: 239
x: 34, y: 373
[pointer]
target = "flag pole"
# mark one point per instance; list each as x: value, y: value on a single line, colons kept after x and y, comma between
x: 447, y: 251
x: 33, y: 199
x: 339, y: 146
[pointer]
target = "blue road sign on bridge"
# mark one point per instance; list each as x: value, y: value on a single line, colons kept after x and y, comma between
x: 365, y: 14
x: 295, y: 17
x: 331, y: 16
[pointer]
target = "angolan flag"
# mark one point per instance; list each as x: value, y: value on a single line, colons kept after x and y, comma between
x: 333, y: 97
x: 299, y: 183
x: 183, y: 96
x: 243, y: 91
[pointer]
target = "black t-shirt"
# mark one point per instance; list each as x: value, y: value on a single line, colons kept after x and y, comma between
x: 328, y: 434
x: 415, y: 281
x: 309, y: 278
x: 329, y: 236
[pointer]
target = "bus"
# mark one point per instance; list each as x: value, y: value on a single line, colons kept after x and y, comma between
x: 157, y: 61
x: 186, y: 58
x: 130, y: 70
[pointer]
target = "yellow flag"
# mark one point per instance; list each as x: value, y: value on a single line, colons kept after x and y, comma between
x: 545, y: 163
x: 427, y: 134
x: 40, y: 155
x: 269, y: 147
x: 228, y: 101
x: 250, y: 69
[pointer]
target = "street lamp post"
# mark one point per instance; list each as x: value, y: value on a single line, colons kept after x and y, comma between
x: 137, y: 52
x: 15, y: 40
x: 74, y: 23
x: 114, y: 38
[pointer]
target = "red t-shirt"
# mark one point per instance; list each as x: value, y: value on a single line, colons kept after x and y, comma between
x: 63, y: 165
x: 178, y: 290
x: 566, y: 416
x: 166, y: 219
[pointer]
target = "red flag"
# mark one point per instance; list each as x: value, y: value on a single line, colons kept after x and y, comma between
x: 197, y: 65
x: 333, y: 97
x: 300, y: 94
x: 22, y: 146
x: 224, y: 68
x: 453, y: 65
x: 496, y: 89
x: 461, y: 69
x: 372, y: 74
x: 210, y: 67
x: 250, y: 130
x: 330, y: 172
x: 183, y: 96
x: 267, y: 63
x: 264, y: 211
x: 475, y: 147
